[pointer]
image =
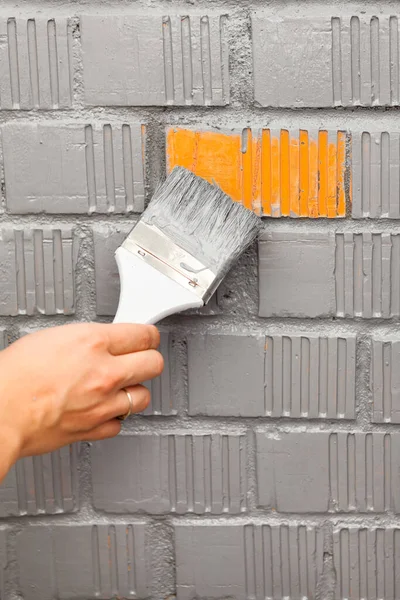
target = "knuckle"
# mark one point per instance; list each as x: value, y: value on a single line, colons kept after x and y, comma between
x: 104, y: 380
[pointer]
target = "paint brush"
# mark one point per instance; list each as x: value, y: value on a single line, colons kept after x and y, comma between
x: 182, y: 247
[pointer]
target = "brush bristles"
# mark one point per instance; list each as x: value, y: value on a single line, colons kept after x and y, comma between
x: 202, y: 219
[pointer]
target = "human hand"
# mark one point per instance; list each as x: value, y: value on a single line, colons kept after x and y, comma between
x: 65, y: 384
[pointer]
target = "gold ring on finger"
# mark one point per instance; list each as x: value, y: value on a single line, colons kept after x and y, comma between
x: 130, y: 408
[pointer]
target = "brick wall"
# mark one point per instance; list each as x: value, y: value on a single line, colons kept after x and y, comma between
x: 267, y: 466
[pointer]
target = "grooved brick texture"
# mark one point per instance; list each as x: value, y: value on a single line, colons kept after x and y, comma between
x: 83, y: 561
x: 74, y: 168
x: 187, y: 64
x: 298, y: 376
x: 46, y: 484
x: 335, y: 472
x: 335, y: 60
x: 270, y: 171
x: 184, y: 473
x: 252, y: 560
x: 266, y: 466
x: 36, y: 62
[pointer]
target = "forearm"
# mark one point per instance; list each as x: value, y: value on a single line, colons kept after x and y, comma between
x: 9, y: 450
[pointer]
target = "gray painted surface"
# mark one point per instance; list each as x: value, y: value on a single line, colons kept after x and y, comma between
x: 252, y: 560
x: 341, y: 59
x: 366, y: 562
x: 267, y: 463
x: 187, y: 64
x: 180, y: 473
x: 385, y: 380
x: 36, y: 61
x: 45, y: 484
x: 376, y: 174
x: 73, y: 168
x: 323, y: 471
x: 37, y: 270
x: 83, y: 561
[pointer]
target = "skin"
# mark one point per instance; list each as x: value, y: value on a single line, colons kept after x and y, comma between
x: 66, y: 384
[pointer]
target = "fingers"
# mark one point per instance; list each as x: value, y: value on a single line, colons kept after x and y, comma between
x: 106, y: 430
x: 119, y: 405
x: 139, y: 367
x: 124, y: 339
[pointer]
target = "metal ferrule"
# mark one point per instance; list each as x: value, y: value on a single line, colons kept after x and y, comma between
x: 154, y: 247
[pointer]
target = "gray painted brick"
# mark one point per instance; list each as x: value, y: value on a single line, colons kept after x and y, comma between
x: 37, y: 274
x: 226, y: 375
x: 3, y: 339
x: 296, y: 274
x: 342, y: 60
x: 297, y: 376
x: 385, y: 380
x: 310, y: 376
x: 82, y: 561
x: 107, y: 238
x: 3, y: 562
x: 366, y: 563
x: 367, y: 279
x: 188, y: 62
x: 250, y: 561
x: 323, y: 471
x: 44, y: 484
x: 35, y: 63
x: 347, y: 274
x: 179, y: 473
x: 74, y: 168
x: 376, y: 174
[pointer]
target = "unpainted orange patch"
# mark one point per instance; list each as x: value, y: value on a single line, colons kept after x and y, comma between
x: 272, y: 173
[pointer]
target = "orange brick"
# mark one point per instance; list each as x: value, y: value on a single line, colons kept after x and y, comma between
x: 277, y: 173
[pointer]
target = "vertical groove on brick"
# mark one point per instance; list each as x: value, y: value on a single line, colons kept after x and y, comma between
x: 58, y: 275
x: 172, y: 475
x: 96, y: 561
x: 394, y: 59
x: 53, y: 63
x: 13, y: 58
x: 206, y: 60
x: 187, y: 60
x: 249, y: 558
x: 127, y: 157
x: 387, y: 380
x: 355, y: 59
x: 369, y: 468
x: 375, y: 60
x: 20, y: 271
x: 33, y: 62
x: 109, y: 167
x: 90, y: 168
x: 39, y: 285
x: 168, y: 61
x: 336, y: 61
x: 365, y: 561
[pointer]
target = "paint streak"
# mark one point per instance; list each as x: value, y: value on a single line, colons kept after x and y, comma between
x: 274, y: 173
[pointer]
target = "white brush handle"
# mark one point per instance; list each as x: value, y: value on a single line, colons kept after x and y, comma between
x: 147, y: 296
